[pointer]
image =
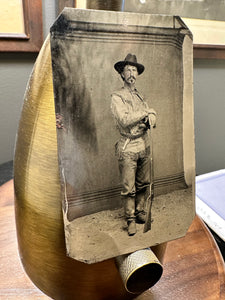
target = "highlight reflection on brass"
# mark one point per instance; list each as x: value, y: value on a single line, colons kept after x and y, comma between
x: 38, y: 203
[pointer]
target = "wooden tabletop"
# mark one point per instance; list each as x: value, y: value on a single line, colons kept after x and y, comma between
x: 193, y: 266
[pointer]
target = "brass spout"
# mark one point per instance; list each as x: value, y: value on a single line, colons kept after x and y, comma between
x: 139, y: 270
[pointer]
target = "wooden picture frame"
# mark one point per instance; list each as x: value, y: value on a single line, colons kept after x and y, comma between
x: 215, y: 51
x: 206, y: 50
x: 32, y: 38
x: 200, y: 50
x: 209, y: 51
x: 209, y: 41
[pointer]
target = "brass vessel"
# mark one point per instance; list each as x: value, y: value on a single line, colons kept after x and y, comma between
x: 38, y: 206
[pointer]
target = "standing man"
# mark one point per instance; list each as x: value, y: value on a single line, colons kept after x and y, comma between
x: 133, y: 118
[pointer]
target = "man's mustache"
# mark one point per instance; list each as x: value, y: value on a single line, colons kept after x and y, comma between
x: 131, y: 77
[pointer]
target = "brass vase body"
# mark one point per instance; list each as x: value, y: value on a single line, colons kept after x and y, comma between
x: 38, y: 205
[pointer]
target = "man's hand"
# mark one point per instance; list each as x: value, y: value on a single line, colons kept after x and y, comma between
x: 142, y: 125
x: 152, y: 119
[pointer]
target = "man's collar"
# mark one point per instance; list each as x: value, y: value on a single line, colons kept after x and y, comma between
x: 130, y: 90
x: 135, y: 91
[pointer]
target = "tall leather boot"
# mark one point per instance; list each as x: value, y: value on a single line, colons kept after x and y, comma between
x: 131, y: 227
x: 140, y: 212
x: 129, y: 209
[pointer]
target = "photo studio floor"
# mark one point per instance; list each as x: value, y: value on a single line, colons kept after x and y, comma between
x: 103, y: 235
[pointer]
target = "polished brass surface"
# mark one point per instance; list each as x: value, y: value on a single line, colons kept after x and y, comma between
x: 38, y: 202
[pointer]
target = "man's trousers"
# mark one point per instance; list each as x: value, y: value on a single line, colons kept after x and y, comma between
x: 135, y: 175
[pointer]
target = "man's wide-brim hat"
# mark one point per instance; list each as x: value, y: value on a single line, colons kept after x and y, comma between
x: 130, y: 59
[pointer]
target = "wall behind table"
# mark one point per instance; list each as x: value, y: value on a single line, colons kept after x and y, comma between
x: 14, y: 72
x: 209, y: 108
x: 209, y: 94
x: 15, y: 69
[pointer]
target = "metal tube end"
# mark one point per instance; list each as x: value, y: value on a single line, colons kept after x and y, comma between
x: 139, y: 270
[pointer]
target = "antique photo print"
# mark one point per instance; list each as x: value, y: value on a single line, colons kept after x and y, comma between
x: 124, y: 121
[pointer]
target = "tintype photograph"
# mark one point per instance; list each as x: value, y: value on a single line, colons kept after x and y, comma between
x: 124, y: 121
